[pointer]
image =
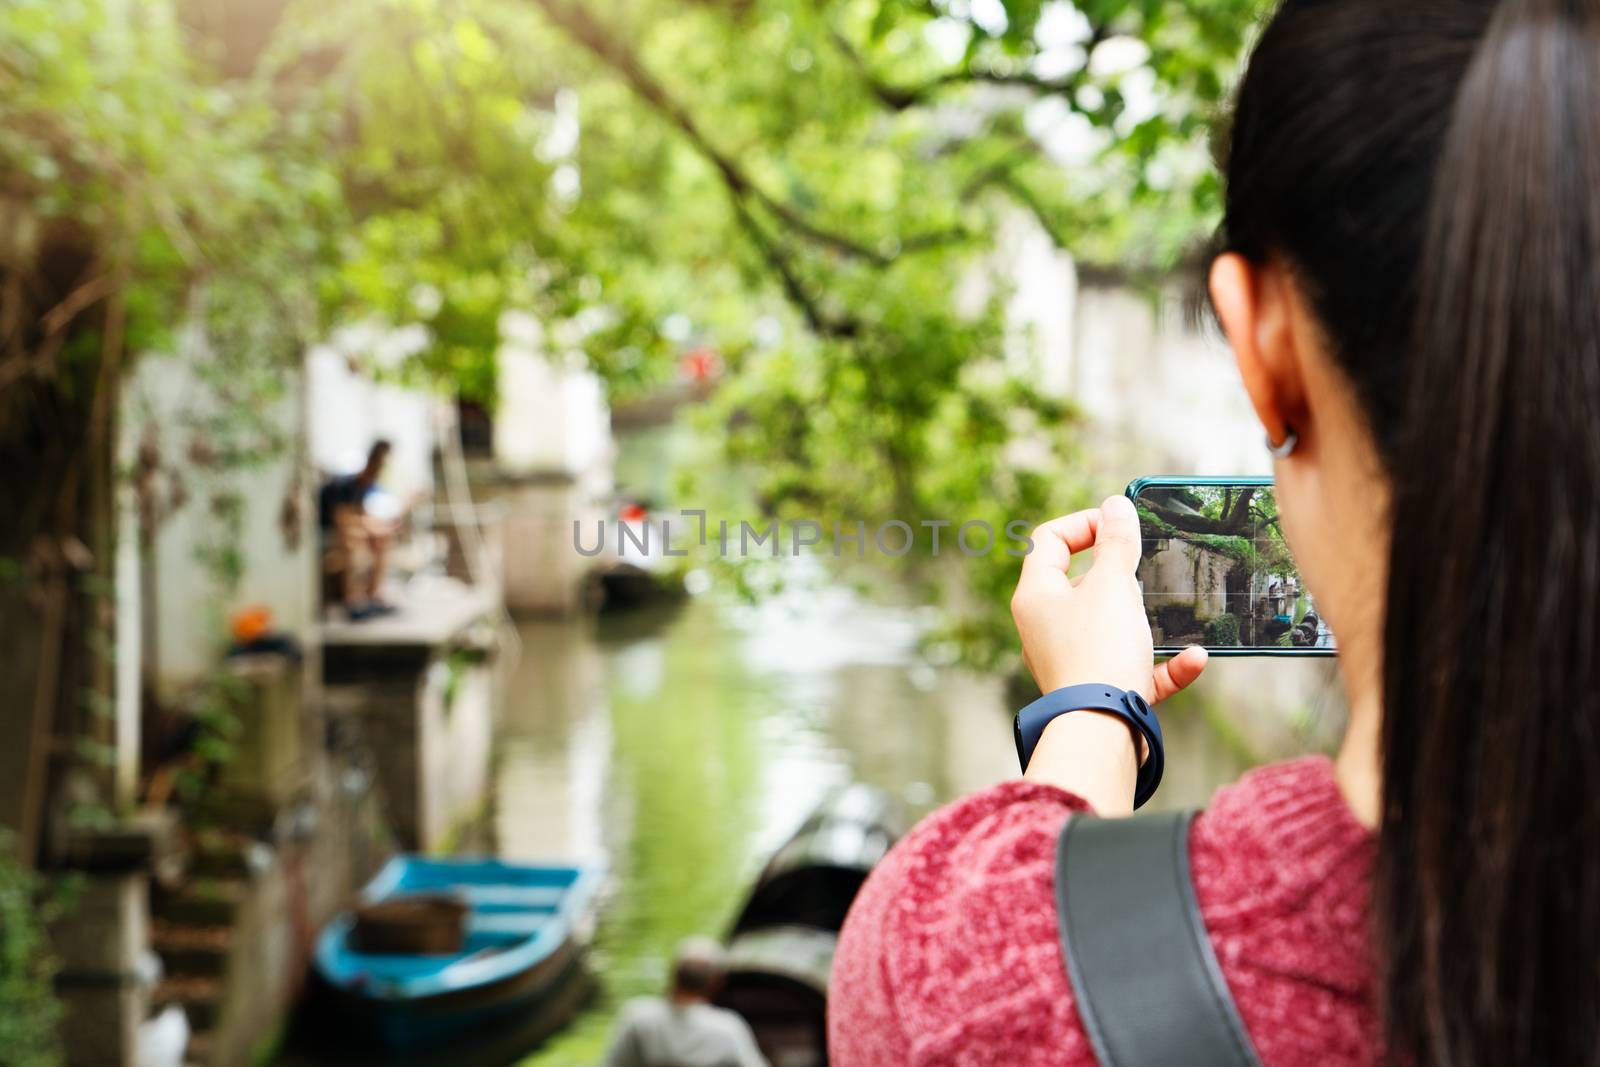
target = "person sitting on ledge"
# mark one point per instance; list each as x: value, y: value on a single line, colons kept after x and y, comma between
x: 355, y: 544
x: 685, y: 1029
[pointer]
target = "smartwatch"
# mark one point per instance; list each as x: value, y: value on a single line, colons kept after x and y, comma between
x: 1125, y: 704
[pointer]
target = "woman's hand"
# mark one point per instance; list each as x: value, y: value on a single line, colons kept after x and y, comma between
x: 1092, y: 629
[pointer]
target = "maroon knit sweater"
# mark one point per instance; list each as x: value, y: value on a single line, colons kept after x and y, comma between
x: 950, y: 955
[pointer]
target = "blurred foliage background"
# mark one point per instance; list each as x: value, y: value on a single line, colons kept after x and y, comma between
x: 803, y: 184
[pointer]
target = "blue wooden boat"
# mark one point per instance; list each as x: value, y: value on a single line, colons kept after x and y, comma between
x: 526, y: 928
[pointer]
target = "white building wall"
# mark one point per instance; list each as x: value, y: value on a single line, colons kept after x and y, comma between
x: 1042, y: 308
x: 1161, y: 395
x: 329, y: 414
x: 349, y: 409
x: 1166, y: 391
x: 556, y: 460
x: 190, y: 620
x: 552, y: 417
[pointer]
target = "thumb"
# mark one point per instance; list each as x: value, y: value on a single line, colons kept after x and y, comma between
x: 1178, y: 672
x: 1116, y: 544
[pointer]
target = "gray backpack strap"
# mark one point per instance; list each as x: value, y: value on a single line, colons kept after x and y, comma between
x: 1148, y: 986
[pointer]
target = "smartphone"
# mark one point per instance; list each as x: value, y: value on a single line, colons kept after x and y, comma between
x: 1215, y: 570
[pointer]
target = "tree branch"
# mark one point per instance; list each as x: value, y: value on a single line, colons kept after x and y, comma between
x: 608, y: 46
x: 1001, y: 171
x: 1235, y: 523
x: 902, y: 97
x: 820, y: 321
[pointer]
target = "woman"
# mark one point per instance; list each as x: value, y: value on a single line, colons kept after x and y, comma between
x: 1411, y: 285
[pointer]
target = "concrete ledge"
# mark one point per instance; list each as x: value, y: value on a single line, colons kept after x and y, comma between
x: 435, y: 613
x: 417, y: 689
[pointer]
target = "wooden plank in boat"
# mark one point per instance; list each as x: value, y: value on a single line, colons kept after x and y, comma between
x: 513, y: 896
x: 508, y: 924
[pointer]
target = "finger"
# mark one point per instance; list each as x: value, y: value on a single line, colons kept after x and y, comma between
x: 1116, y: 544
x: 1055, y: 542
x: 1179, y: 671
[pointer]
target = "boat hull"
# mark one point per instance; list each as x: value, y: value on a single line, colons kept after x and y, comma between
x: 526, y: 931
x: 780, y: 950
x: 434, y: 1020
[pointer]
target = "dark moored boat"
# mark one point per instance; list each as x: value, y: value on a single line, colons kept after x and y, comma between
x: 521, y: 929
x: 780, y: 951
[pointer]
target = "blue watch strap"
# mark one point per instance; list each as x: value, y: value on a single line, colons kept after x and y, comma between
x: 1126, y: 705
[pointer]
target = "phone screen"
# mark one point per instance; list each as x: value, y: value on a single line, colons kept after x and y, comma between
x: 1215, y: 570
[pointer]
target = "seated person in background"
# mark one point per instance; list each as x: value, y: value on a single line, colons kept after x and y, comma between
x: 355, y: 544
x: 685, y: 1030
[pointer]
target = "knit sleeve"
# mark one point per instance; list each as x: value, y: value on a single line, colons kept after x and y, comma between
x: 950, y: 954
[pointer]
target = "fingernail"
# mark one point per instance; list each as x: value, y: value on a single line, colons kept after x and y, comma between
x: 1118, y: 502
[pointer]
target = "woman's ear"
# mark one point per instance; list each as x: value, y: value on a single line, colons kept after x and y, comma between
x: 1256, y: 306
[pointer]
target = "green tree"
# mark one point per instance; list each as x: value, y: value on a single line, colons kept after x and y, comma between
x: 29, y: 1012
x: 139, y: 191
x: 808, y: 187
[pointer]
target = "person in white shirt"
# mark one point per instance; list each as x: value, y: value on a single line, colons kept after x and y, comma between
x: 685, y: 1029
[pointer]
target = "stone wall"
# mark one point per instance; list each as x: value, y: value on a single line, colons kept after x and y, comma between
x: 103, y: 983
x: 311, y: 875
x: 427, y: 718
x: 544, y: 575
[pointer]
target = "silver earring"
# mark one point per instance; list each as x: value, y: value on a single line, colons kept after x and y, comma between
x: 1285, y: 448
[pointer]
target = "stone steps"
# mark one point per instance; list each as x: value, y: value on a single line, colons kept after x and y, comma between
x: 222, y: 856
x: 198, y: 996
x: 202, y: 902
x: 192, y: 931
x: 191, y: 951
x: 198, y: 1054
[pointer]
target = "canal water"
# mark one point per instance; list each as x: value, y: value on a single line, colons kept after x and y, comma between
x: 679, y: 747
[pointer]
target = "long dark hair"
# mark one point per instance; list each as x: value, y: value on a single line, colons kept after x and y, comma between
x: 1431, y: 172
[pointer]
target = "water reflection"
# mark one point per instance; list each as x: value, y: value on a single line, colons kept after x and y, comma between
x: 681, y: 747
